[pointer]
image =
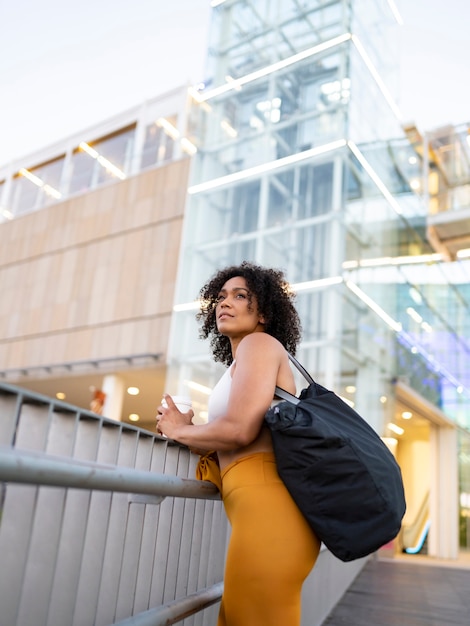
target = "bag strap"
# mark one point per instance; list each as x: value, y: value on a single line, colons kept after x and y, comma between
x: 285, y: 395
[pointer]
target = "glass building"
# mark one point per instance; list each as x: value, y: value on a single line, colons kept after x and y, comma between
x: 303, y: 164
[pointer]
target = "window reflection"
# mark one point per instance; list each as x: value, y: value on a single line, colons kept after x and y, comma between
x: 158, y: 144
x: 112, y: 156
x: 37, y: 187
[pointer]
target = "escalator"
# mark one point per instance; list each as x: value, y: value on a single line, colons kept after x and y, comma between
x: 414, y: 536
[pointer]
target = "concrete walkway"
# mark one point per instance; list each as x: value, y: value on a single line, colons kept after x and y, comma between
x: 407, y: 591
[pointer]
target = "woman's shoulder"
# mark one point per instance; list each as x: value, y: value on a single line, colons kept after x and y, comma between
x: 261, y: 341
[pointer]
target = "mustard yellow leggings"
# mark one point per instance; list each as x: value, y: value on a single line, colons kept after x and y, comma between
x: 272, y: 549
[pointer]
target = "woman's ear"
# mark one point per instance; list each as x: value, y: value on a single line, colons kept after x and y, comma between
x: 262, y: 320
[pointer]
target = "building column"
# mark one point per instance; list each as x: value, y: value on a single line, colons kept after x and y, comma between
x: 444, y: 494
x: 113, y: 387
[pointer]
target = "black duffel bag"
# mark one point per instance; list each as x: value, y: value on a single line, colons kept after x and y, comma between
x: 340, y: 473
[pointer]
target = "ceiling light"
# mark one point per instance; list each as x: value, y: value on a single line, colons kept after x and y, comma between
x: 394, y: 325
x: 108, y: 166
x: 396, y: 13
x: 396, y: 429
x: 319, y: 283
x: 168, y: 127
x: 188, y: 146
x: 187, y: 306
x: 198, y: 387
x: 229, y: 129
x: 40, y: 183
x: 414, y: 315
x: 134, y: 417
x: 383, y: 399
x: 407, y: 415
x: 350, y: 388
x: 279, y: 65
x: 375, y: 177
x: 60, y: 395
x: 415, y: 295
x: 133, y: 391
x: 251, y: 172
x: 230, y: 79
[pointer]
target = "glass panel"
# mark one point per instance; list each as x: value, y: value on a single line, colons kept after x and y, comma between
x: 83, y: 167
x: 279, y: 115
x: 158, y: 145
x: 37, y: 187
x: 316, y: 190
x: 103, y: 160
x: 24, y: 195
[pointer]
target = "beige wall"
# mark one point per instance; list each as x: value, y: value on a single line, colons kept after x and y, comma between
x: 93, y: 276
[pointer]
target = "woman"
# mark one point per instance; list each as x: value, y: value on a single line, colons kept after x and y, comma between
x: 247, y: 312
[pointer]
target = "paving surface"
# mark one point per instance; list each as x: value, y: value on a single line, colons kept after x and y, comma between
x: 405, y: 593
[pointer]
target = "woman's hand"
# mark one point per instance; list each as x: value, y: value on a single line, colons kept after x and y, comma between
x: 169, y: 418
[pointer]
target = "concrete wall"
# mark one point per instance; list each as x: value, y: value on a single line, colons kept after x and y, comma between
x: 93, y: 276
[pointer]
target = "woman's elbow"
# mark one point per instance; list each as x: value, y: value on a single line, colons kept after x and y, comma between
x: 243, y: 438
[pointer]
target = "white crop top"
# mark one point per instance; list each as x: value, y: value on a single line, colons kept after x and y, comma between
x: 218, y: 400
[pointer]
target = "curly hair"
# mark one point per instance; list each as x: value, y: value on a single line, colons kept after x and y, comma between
x: 275, y: 303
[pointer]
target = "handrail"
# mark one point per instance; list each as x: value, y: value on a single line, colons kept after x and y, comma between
x: 30, y: 421
x: 412, y: 531
x: 24, y: 466
x: 176, y: 611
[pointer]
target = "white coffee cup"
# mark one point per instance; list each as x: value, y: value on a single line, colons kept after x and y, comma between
x: 183, y: 403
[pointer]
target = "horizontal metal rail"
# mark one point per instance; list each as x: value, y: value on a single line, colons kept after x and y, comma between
x: 24, y: 466
x: 176, y: 611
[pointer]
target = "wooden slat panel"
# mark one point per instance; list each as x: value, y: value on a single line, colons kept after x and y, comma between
x: 8, y: 411
x: 18, y: 518
x: 85, y: 598
x: 149, y: 536
x: 15, y: 531
x: 162, y: 586
x: 74, y: 523
x: 114, y: 550
x: 71, y: 556
x: 33, y: 427
x: 133, y: 539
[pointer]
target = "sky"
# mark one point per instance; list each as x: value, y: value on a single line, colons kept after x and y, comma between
x: 66, y: 66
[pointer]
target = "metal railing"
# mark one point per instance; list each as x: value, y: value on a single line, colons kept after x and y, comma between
x: 102, y: 523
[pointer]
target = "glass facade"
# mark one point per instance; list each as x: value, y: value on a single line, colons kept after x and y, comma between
x: 303, y: 165
x: 276, y: 181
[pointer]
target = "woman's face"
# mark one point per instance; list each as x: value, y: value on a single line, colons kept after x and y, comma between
x: 237, y: 312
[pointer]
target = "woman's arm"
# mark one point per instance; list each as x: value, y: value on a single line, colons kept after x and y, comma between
x: 256, y: 370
